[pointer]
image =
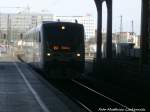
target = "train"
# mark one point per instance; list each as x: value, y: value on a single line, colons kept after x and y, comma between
x: 55, y: 48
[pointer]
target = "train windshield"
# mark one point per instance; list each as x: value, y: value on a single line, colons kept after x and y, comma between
x: 64, y: 37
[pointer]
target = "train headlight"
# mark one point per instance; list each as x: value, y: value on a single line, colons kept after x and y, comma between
x: 48, y: 54
x: 63, y: 27
x: 78, y: 54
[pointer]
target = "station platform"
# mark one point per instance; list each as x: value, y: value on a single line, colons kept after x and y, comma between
x: 24, y: 90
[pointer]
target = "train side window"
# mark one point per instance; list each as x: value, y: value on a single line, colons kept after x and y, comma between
x: 39, y: 37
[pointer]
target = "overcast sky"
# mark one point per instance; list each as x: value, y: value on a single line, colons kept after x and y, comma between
x: 129, y: 9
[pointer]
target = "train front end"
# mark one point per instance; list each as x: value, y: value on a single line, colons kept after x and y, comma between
x: 64, y: 48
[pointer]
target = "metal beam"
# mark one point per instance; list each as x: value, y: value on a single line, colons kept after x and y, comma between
x: 109, y: 30
x: 99, y: 30
x: 144, y: 32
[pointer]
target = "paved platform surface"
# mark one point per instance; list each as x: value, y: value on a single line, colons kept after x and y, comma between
x: 23, y: 90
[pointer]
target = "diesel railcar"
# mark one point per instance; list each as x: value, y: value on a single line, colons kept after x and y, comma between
x: 56, y: 48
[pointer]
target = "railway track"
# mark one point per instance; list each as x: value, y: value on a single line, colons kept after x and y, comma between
x: 86, y: 97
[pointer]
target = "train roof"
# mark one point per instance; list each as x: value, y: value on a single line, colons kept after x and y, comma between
x: 47, y: 22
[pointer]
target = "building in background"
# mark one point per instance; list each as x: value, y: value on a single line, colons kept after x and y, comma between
x: 123, y: 38
x: 13, y: 25
x: 128, y: 37
x: 88, y: 21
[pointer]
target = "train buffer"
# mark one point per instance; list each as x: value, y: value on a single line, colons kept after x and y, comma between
x: 23, y: 90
